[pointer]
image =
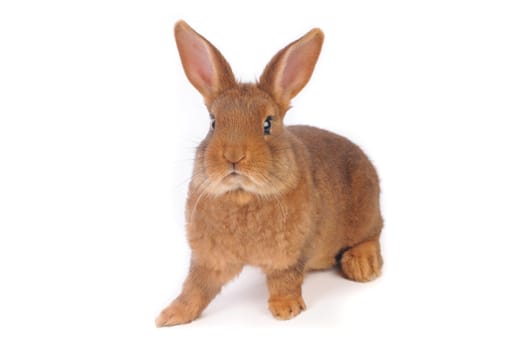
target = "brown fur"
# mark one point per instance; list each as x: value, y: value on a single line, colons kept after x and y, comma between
x: 295, y: 200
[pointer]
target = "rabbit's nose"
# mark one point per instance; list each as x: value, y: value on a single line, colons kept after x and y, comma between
x: 233, y: 156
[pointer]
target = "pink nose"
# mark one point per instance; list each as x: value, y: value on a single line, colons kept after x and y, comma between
x: 233, y: 156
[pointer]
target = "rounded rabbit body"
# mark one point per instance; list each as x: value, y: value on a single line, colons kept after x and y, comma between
x: 332, y: 203
x: 285, y: 199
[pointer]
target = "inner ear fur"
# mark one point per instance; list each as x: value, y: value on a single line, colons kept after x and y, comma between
x: 291, y: 68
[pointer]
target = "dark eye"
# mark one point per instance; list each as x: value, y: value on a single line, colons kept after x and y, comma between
x: 212, y: 122
x: 267, y: 125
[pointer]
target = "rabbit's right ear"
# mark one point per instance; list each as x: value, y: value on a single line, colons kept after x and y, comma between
x: 204, y: 65
x: 290, y: 69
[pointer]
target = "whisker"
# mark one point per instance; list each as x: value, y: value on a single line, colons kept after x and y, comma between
x: 185, y: 160
x: 202, y: 190
x: 274, y: 197
x: 184, y: 182
x: 283, y: 211
x: 282, y: 149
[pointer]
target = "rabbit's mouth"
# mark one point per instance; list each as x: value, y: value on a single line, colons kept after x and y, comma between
x: 235, y: 180
x: 256, y: 181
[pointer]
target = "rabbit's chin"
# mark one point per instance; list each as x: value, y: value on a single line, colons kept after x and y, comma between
x: 237, y: 183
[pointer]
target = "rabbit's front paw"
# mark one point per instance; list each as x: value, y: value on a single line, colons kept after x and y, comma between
x: 176, y: 313
x: 287, y: 307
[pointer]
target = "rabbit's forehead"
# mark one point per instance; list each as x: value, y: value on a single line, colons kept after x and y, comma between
x: 243, y: 104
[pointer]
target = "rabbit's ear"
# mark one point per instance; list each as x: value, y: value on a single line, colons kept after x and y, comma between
x: 204, y: 65
x: 290, y: 69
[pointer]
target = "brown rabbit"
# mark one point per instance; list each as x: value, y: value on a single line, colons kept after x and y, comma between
x: 285, y: 199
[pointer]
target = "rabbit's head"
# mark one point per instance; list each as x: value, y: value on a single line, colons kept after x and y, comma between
x: 247, y: 148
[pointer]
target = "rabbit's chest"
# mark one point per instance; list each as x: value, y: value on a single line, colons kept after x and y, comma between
x: 261, y: 236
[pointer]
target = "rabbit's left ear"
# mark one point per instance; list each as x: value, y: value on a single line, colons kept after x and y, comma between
x: 204, y: 65
x: 291, y: 68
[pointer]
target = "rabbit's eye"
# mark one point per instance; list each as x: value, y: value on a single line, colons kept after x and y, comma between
x: 212, y: 123
x: 267, y: 125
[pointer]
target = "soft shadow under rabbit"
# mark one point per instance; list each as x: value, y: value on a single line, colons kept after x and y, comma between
x: 286, y: 199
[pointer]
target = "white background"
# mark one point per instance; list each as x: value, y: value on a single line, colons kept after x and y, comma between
x: 98, y: 126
